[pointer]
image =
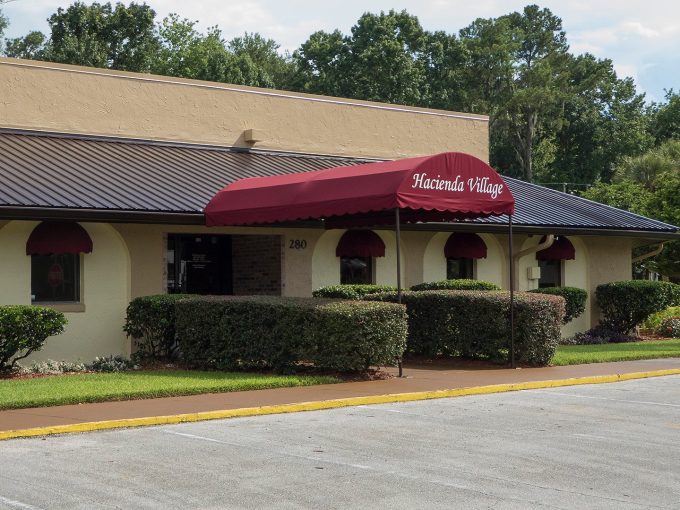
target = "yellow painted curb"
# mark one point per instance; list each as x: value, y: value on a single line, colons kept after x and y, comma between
x: 327, y: 404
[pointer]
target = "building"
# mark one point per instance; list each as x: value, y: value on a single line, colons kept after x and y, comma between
x: 120, y: 167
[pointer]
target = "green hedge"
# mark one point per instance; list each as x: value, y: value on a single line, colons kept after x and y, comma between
x: 353, y: 291
x: 274, y: 332
x: 627, y: 304
x: 575, y: 300
x: 475, y: 324
x: 24, y: 329
x: 460, y: 284
x: 150, y: 321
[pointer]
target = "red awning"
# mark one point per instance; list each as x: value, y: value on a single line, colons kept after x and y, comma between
x: 443, y: 187
x: 58, y: 237
x: 360, y: 243
x: 561, y: 249
x: 462, y: 245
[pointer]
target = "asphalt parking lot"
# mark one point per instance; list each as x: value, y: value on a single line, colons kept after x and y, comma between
x: 601, y: 446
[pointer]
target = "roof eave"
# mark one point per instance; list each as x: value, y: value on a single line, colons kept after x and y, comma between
x: 193, y: 218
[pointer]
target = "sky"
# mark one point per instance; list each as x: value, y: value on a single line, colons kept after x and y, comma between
x: 641, y: 38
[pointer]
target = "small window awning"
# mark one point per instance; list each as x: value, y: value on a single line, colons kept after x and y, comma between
x: 58, y: 237
x: 462, y: 245
x: 561, y: 249
x: 444, y: 187
x: 360, y: 243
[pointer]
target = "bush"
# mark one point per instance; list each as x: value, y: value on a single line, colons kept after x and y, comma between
x: 669, y: 327
x: 575, y: 299
x: 354, y: 291
x: 150, y: 321
x: 654, y: 321
x: 456, y: 285
x: 110, y: 364
x: 475, y: 324
x: 52, y: 367
x: 599, y: 335
x: 24, y: 329
x: 627, y: 304
x: 273, y: 332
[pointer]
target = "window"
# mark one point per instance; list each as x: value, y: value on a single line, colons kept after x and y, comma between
x: 356, y: 270
x: 55, y: 278
x: 199, y: 264
x: 459, y: 268
x: 551, y: 273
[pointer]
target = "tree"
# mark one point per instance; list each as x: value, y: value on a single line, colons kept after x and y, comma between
x: 603, y: 120
x: 100, y: 35
x: 31, y: 46
x: 382, y: 60
x: 519, y: 61
x: 276, y: 69
x: 186, y: 53
x: 666, y: 118
x: 4, y: 23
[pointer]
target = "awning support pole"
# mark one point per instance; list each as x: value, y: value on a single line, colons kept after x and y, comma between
x: 397, y: 227
x: 511, y: 259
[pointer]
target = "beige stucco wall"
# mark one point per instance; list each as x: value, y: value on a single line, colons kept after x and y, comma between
x: 104, y: 290
x: 128, y: 260
x: 71, y: 99
x: 610, y: 261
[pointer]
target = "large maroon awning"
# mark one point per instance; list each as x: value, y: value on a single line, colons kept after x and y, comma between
x: 360, y: 243
x: 464, y: 245
x: 561, y: 249
x: 443, y: 187
x: 58, y: 237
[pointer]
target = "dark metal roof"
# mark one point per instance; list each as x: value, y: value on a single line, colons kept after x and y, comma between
x: 98, y: 175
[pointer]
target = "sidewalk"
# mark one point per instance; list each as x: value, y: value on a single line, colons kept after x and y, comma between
x: 419, y: 378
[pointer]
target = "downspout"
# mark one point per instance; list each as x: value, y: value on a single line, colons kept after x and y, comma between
x: 652, y: 253
x: 549, y: 240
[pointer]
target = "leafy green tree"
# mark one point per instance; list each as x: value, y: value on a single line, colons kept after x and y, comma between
x: 276, y: 69
x: 627, y: 195
x: 31, y: 46
x: 102, y: 35
x: 4, y: 23
x: 517, y: 62
x: 186, y: 53
x: 380, y: 61
x: 666, y: 118
x: 603, y: 120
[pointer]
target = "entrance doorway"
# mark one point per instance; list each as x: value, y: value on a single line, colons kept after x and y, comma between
x: 200, y: 264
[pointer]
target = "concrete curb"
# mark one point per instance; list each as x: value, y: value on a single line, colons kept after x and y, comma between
x: 326, y: 404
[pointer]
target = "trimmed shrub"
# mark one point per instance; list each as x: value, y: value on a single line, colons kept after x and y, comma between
x: 669, y: 327
x: 460, y: 284
x: 475, y: 324
x: 150, y: 321
x: 24, y: 329
x: 599, y: 335
x: 654, y: 321
x: 274, y: 332
x: 353, y: 291
x: 574, y: 297
x: 627, y: 304
x: 110, y: 363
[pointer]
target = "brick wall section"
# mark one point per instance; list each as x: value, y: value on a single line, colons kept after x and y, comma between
x: 256, y: 262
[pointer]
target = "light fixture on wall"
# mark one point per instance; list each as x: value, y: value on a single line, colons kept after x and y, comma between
x: 253, y: 135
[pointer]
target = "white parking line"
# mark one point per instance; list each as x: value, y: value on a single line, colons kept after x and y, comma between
x: 17, y: 504
x: 644, y: 402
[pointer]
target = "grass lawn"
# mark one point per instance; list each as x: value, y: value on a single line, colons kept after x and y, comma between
x: 576, y: 354
x: 78, y: 388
